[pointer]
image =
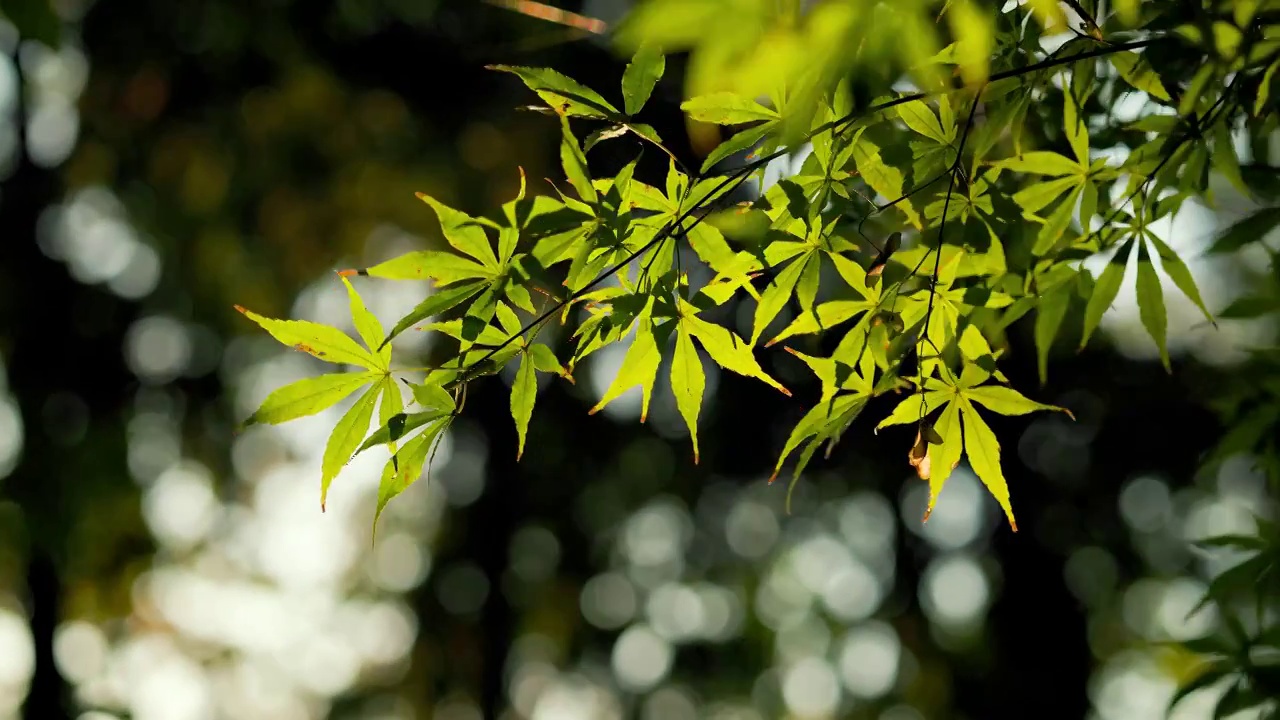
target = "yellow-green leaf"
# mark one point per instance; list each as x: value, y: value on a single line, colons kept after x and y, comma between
x: 727, y: 349
x: 566, y: 96
x: 327, y: 343
x: 917, y: 115
x: 983, y: 450
x: 1050, y: 311
x: 1050, y: 14
x: 688, y: 382
x: 737, y: 143
x: 432, y: 395
x: 639, y: 366
x: 404, y: 468
x: 943, y: 457
x: 775, y: 297
x: 368, y: 326
x: 1151, y: 304
x: 345, y: 438
x: 307, y: 397
x: 916, y: 407
x: 1105, y: 291
x: 973, y: 27
x: 1179, y: 273
x: 1036, y: 196
x: 726, y: 108
x: 436, y: 303
x: 884, y: 179
x: 523, y: 394
x: 1040, y: 162
x: 1136, y: 70
x: 443, y: 267
x: 1073, y: 124
x: 642, y: 73
x: 399, y: 425
x: 463, y: 232
x: 575, y: 164
x: 1006, y: 401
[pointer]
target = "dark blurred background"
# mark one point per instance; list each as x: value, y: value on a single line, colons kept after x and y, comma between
x: 165, y: 160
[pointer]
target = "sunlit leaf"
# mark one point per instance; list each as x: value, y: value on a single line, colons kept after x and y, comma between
x: 406, y: 466
x: 463, y: 232
x: 688, y: 382
x: 726, y: 108
x: 972, y: 26
x: 1040, y: 162
x: 346, y: 437
x: 1050, y: 311
x: 915, y: 408
x: 327, y: 343
x: 983, y: 451
x: 642, y: 73
x: 398, y: 426
x: 1178, y: 272
x: 941, y: 458
x: 1136, y: 70
x: 575, y: 165
x: 885, y: 180
x: 564, y: 95
x: 524, y: 391
x: 1105, y: 291
x: 1151, y: 304
x: 443, y: 267
x: 308, y: 397
x: 368, y: 326
x: 639, y: 365
x: 727, y: 350
x: 775, y: 297
x: 432, y: 395
x: 1006, y: 400
x: 917, y: 115
x: 739, y: 142
x: 1073, y: 125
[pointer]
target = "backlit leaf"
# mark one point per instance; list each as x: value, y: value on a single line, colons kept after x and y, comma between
x: 688, y: 382
x: 563, y: 94
x: 1178, y: 272
x: 639, y: 365
x: 406, y: 466
x: 435, y: 304
x: 463, y: 232
x: 884, y: 179
x: 1006, y: 401
x: 1136, y: 70
x: 983, y: 450
x: 523, y: 394
x: 398, y: 426
x: 942, y: 457
x: 1151, y: 304
x: 346, y: 437
x: 775, y: 297
x: 368, y: 326
x: 1050, y: 311
x: 728, y: 350
x: 642, y: 73
x: 308, y: 397
x: 444, y: 267
x: 327, y: 343
x: 575, y: 165
x: 726, y: 108
x: 917, y: 115
x: 1105, y: 290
